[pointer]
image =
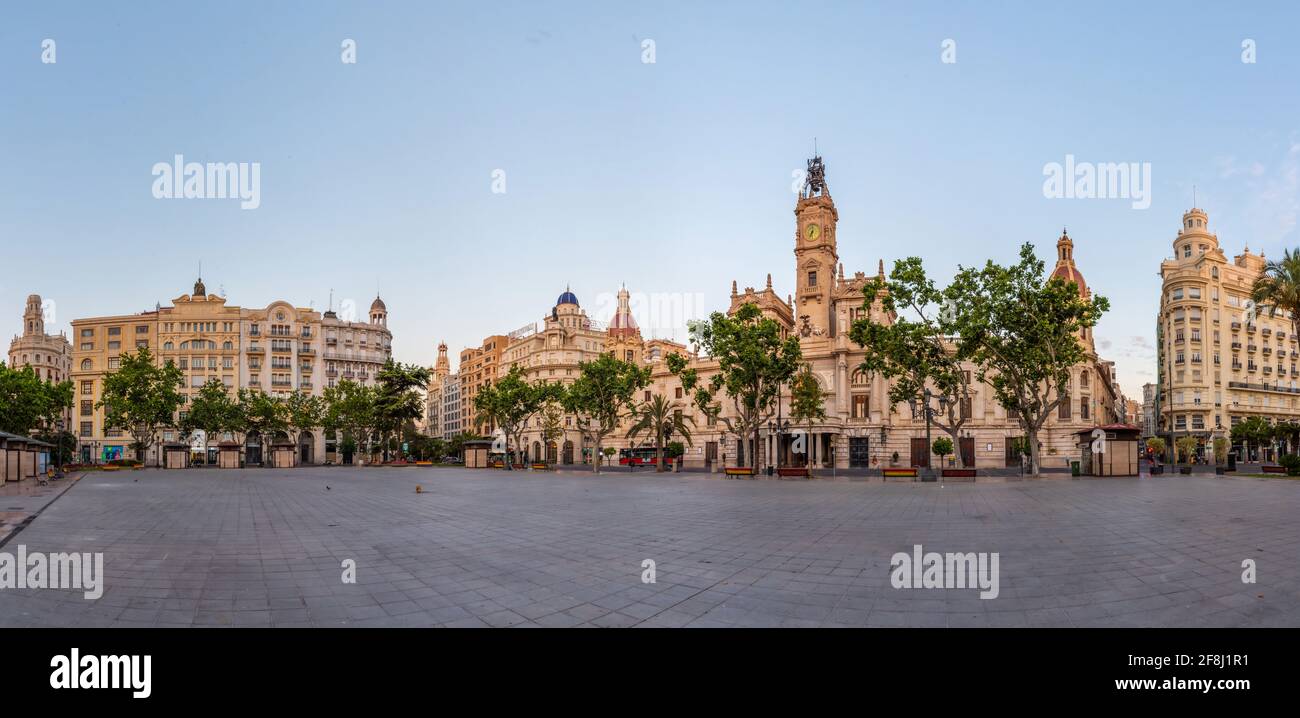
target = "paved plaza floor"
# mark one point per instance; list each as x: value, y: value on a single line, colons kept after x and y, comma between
x: 492, y: 548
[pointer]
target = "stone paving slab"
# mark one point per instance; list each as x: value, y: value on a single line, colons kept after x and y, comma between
x: 264, y: 547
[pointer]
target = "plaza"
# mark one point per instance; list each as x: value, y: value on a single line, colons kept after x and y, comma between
x: 262, y: 547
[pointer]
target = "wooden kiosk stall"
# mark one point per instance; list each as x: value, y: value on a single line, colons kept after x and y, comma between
x: 476, y: 453
x: 1109, y: 450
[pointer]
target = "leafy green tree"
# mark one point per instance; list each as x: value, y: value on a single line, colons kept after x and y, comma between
x: 397, y: 398
x: 601, y: 396
x: 263, y: 414
x: 1220, y: 450
x: 1253, y: 430
x: 141, y: 397
x: 807, y: 403
x: 511, y: 402
x: 1277, y: 289
x: 660, y: 418
x: 1187, y: 447
x: 754, y: 360
x: 942, y: 447
x: 30, y: 403
x: 912, y: 347
x: 1156, y: 445
x: 1022, y: 329
x: 350, y: 413
x: 213, y: 411
x: 304, y: 412
x: 552, y: 421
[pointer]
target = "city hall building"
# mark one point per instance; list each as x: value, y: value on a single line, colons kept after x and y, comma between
x: 862, y: 428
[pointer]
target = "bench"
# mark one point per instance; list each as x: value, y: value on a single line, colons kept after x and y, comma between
x: 959, y: 473
x: 739, y: 471
x: 1273, y: 469
x: 899, y: 472
x: 539, y: 467
x: 800, y: 472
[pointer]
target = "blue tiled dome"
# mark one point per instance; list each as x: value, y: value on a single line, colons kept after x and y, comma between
x: 567, y: 298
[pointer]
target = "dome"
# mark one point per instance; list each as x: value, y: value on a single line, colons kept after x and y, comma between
x: 567, y: 298
x: 1070, y: 273
x: 378, y: 305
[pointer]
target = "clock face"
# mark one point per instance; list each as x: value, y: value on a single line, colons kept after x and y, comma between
x: 813, y: 231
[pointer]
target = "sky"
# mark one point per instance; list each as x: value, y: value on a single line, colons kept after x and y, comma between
x: 673, y: 177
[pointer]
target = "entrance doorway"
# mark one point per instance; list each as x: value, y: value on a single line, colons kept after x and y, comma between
x: 306, y: 448
x: 859, y: 452
x: 920, y: 452
x: 710, y: 455
x: 968, y: 451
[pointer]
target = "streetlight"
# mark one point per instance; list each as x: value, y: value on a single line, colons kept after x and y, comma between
x: 777, y: 427
x: 929, y: 412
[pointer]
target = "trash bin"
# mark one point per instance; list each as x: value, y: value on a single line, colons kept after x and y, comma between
x: 1232, y: 461
x: 1074, y: 468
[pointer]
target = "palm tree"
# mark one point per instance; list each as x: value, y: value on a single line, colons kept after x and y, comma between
x: 1278, y: 288
x: 660, y: 417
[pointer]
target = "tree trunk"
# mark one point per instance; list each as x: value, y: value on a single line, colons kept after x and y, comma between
x: 1031, y: 435
x: 659, y: 453
x: 595, y: 457
x: 753, y: 453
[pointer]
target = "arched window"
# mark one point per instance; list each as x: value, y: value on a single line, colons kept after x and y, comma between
x: 228, y: 345
x: 168, y: 346
x: 87, y: 365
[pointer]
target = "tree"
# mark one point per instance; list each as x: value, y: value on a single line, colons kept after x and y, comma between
x: 1277, y: 289
x: 1156, y: 445
x: 141, y: 397
x: 1251, y: 430
x: 912, y: 347
x: 807, y: 404
x: 213, y: 411
x: 601, y: 396
x: 1187, y: 447
x: 1023, y: 331
x: 551, y: 417
x: 397, y: 397
x: 754, y: 360
x: 1220, y: 449
x: 511, y: 402
x: 660, y: 418
x: 350, y: 411
x: 29, y: 403
x: 263, y: 414
x: 304, y: 412
x: 942, y: 447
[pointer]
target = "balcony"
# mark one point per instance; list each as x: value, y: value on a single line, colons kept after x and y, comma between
x: 304, y: 385
x: 1236, y: 345
x: 1236, y: 325
x: 1267, y: 351
x: 282, y: 348
x: 331, y: 373
x: 1251, y: 347
x: 1266, y: 331
x: 1268, y: 370
x: 254, y: 349
x: 1251, y: 328
x: 254, y: 384
x: 307, y: 351
x: 306, y: 368
x: 331, y: 342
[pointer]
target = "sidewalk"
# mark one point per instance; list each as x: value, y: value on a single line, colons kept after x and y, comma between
x: 21, y: 501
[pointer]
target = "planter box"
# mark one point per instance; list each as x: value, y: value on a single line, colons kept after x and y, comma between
x: 1185, y: 470
x: 1272, y: 469
x: 1156, y: 470
x: 898, y: 473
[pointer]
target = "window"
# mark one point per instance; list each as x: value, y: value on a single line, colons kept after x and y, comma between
x: 87, y: 428
x: 812, y: 278
x: 860, y: 406
x: 87, y: 407
x: 141, y: 329
x: 87, y: 365
x: 87, y: 388
x: 678, y: 393
x: 1083, y: 407
x: 1063, y: 409
x: 114, y: 363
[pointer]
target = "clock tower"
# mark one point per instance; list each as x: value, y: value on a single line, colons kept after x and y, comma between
x: 814, y: 253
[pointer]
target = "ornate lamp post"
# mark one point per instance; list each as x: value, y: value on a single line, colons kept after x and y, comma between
x: 929, y: 413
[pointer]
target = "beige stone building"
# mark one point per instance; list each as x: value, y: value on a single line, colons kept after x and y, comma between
x: 433, y: 395
x: 49, y: 355
x: 278, y: 349
x: 862, y: 428
x: 478, y: 368
x: 1221, y: 359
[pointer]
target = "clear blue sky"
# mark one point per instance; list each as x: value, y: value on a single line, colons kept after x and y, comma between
x: 673, y: 177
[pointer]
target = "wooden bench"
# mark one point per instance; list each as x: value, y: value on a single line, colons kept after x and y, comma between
x: 959, y: 473
x: 1273, y: 469
x: 540, y: 467
x: 899, y: 472
x: 800, y: 472
x: 739, y: 471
